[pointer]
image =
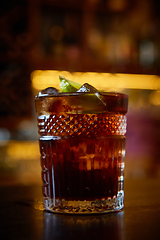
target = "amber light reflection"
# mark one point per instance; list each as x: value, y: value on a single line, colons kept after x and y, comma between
x: 110, y: 225
x: 50, y: 78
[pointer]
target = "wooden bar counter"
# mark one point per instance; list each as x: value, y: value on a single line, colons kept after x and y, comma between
x: 22, y: 217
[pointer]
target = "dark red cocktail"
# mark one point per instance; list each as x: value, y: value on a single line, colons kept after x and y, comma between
x: 82, y: 146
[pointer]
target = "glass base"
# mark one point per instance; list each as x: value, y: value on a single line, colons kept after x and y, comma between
x: 84, y: 207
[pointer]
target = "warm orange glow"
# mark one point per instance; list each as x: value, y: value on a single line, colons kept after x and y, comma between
x: 154, y: 98
x: 102, y: 81
x: 22, y: 150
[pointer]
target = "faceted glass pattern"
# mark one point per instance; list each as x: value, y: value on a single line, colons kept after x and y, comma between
x: 90, y: 125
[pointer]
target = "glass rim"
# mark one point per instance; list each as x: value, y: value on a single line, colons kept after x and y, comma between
x: 68, y: 94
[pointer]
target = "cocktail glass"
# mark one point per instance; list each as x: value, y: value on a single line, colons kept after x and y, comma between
x: 82, y: 147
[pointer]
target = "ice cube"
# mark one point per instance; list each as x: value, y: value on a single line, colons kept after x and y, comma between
x: 47, y: 101
x: 87, y: 88
x: 48, y: 91
x: 90, y: 89
x: 52, y: 104
x: 50, y: 100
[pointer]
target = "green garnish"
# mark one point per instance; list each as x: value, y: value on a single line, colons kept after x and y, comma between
x: 68, y: 85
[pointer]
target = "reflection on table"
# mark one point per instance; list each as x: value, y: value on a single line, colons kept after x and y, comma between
x: 22, y: 215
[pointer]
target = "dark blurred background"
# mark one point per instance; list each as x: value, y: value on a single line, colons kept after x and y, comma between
x: 102, y: 36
